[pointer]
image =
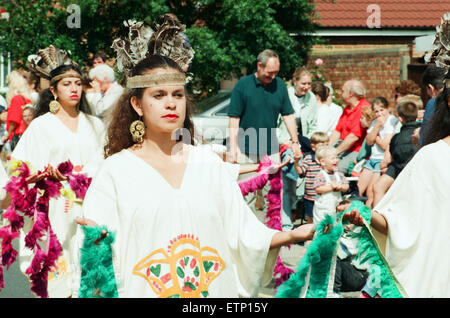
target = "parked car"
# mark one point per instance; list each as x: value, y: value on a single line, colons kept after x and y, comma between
x: 212, y: 123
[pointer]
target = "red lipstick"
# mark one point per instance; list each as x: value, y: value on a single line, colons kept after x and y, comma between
x: 171, y: 116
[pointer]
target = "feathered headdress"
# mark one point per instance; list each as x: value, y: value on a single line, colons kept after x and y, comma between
x: 168, y: 39
x: 47, y: 60
x: 441, y: 46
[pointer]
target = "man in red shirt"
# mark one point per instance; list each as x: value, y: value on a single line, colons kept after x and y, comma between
x: 349, y: 129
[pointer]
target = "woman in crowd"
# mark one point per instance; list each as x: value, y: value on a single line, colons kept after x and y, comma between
x: 17, y: 97
x: 62, y: 130
x: 328, y: 113
x: 33, y: 82
x: 28, y: 115
x: 304, y: 103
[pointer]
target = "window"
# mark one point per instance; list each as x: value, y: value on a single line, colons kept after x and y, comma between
x: 223, y: 111
x: 5, y: 69
x: 212, y: 101
x: 5, y: 61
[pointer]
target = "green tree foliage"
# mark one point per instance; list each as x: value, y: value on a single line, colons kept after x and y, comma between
x: 226, y: 35
x: 34, y: 24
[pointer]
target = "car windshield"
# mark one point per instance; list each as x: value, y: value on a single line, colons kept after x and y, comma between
x: 212, y: 101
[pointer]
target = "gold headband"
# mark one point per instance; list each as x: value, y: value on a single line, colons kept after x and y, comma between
x: 151, y: 80
x: 61, y: 76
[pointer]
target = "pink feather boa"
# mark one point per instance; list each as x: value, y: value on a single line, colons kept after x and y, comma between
x: 274, y: 198
x: 35, y: 206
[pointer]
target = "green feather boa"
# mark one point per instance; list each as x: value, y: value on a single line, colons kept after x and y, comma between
x: 369, y: 252
x: 97, y: 273
x: 318, y: 256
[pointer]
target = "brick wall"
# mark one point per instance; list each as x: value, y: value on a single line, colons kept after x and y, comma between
x: 380, y: 68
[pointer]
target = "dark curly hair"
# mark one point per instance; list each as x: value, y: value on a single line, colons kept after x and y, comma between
x: 123, y: 114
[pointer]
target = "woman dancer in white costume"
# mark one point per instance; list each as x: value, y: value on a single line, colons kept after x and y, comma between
x: 62, y: 130
x: 182, y: 226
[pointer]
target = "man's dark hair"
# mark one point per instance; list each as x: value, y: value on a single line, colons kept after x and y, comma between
x: 100, y: 55
x: 407, y: 111
x: 435, y: 76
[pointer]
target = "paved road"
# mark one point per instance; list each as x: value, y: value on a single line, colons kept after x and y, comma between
x: 290, y: 257
x: 16, y: 284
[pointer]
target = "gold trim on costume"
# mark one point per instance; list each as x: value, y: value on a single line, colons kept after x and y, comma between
x: 151, y: 80
x: 61, y: 76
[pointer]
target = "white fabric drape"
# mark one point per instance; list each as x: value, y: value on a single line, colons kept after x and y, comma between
x: 417, y: 210
x: 215, y: 233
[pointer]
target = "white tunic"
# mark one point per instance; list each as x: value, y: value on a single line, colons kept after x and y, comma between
x: 48, y: 141
x: 200, y: 240
x: 417, y: 210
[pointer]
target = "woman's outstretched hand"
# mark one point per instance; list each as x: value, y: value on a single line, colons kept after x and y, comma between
x: 90, y: 223
x: 303, y: 233
x: 36, y: 177
x: 86, y: 222
x: 275, y: 167
x: 354, y: 217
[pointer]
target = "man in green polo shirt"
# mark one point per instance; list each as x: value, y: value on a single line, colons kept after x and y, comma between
x: 256, y: 102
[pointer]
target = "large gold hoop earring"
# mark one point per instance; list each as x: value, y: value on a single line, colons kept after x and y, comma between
x: 137, y: 130
x: 54, y: 106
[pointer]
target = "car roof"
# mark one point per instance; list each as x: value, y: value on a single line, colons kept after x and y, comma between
x: 214, y: 103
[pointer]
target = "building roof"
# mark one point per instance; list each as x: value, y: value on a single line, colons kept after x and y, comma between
x: 401, y: 14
